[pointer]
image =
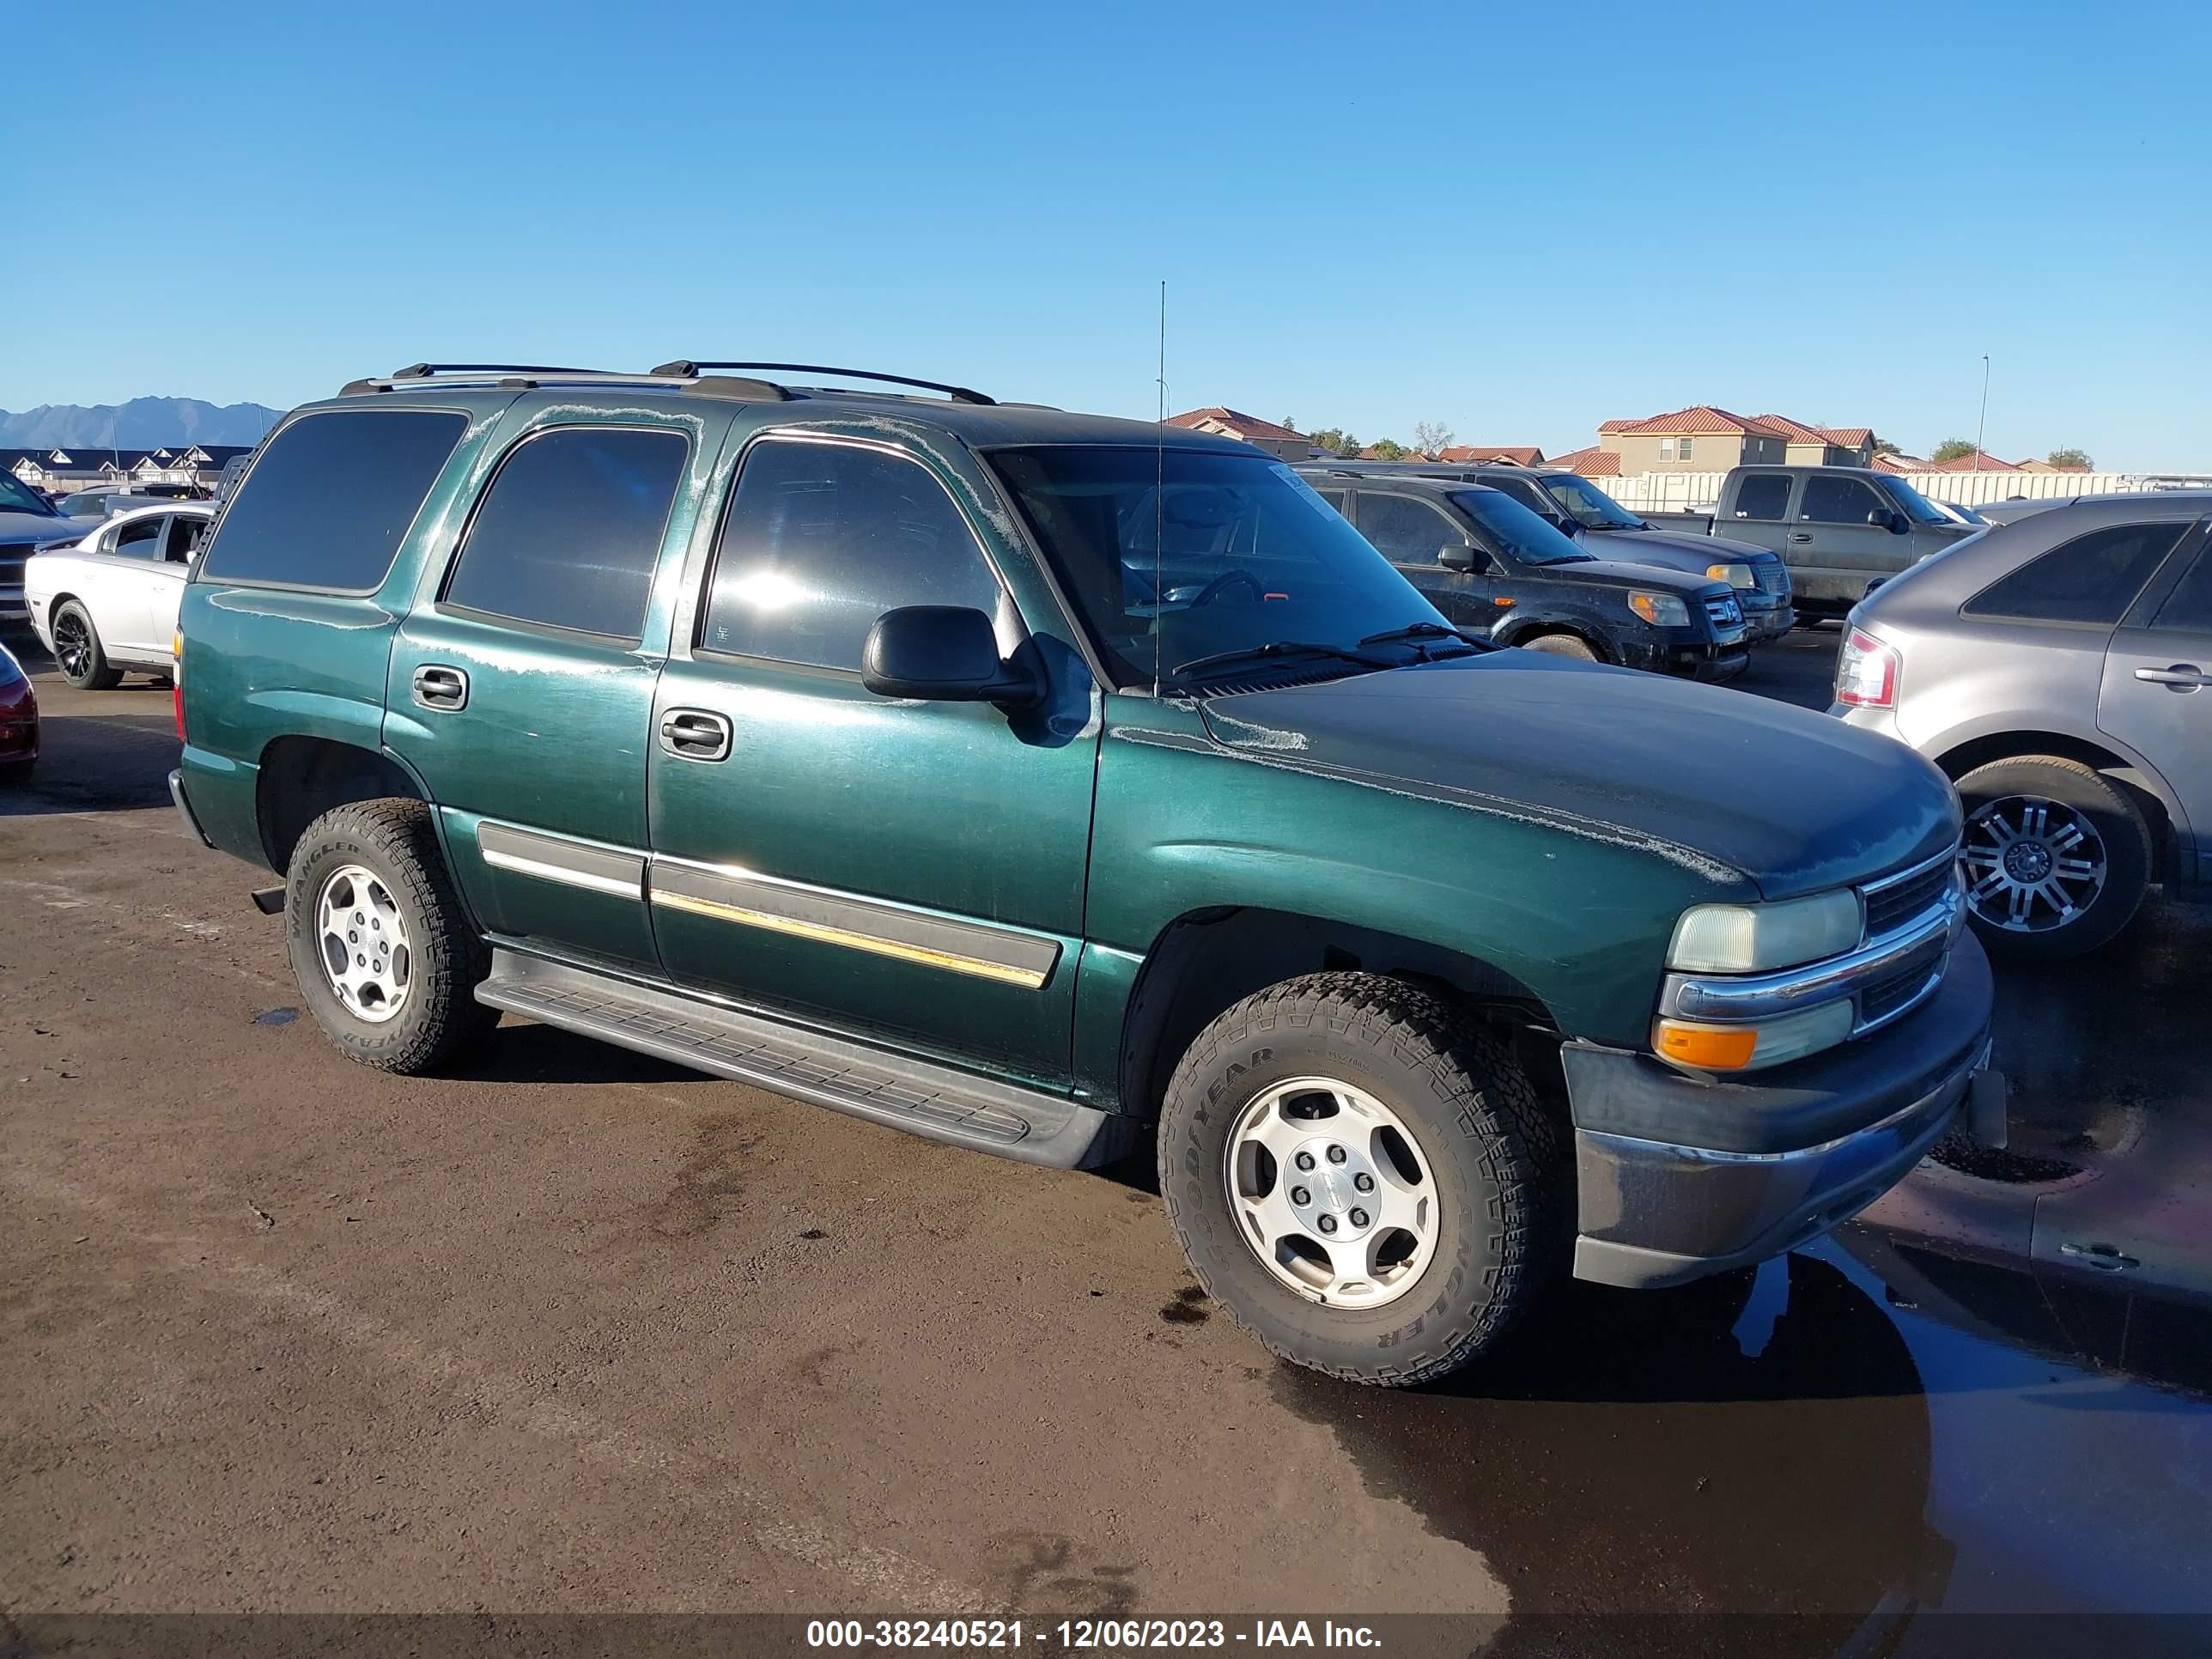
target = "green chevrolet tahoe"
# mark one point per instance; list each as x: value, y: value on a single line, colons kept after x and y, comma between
x: 1054, y: 786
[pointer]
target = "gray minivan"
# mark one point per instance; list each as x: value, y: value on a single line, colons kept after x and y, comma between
x: 2059, y: 670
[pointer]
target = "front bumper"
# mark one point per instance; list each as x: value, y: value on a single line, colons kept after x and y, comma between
x: 1677, y: 1178
x: 14, y: 607
x: 1767, y: 621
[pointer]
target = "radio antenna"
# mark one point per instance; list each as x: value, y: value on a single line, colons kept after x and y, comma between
x: 1160, y: 489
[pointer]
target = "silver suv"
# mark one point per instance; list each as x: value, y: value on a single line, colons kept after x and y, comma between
x: 2059, y: 670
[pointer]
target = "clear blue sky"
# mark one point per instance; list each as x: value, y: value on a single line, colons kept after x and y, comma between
x: 1515, y: 220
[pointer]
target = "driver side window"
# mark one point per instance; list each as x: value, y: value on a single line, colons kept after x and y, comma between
x: 1408, y: 531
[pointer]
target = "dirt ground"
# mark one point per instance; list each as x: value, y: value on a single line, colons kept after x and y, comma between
x: 579, y: 1332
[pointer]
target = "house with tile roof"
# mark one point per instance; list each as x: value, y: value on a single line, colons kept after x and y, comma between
x: 1491, y: 454
x: 1703, y: 438
x: 1823, y: 446
x: 1981, y: 461
x: 1270, y: 435
x: 1595, y: 462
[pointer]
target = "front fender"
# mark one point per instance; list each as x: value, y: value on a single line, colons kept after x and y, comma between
x: 1579, y: 913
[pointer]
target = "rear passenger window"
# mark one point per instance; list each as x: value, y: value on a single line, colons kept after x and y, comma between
x: 140, y: 539
x: 331, y: 498
x: 2189, y: 607
x: 570, y: 530
x: 1830, y: 500
x: 1764, y: 495
x: 2092, y: 578
x: 821, y: 539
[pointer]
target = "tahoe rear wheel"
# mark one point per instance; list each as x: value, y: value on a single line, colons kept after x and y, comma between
x: 1362, y: 1177
x: 385, y: 955
x: 2055, y: 856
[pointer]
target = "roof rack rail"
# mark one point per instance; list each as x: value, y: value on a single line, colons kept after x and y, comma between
x: 523, y: 376
x: 687, y: 367
x: 424, y: 371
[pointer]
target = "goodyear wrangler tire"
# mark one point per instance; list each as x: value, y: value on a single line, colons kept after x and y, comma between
x: 384, y: 953
x: 1362, y: 1178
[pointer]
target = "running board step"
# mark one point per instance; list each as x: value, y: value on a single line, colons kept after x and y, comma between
x: 925, y: 1099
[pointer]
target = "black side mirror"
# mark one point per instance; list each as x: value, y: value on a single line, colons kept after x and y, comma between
x: 942, y: 654
x: 1896, y: 523
x: 1466, y: 556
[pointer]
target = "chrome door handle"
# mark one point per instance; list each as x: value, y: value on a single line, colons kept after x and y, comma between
x: 2182, y: 676
x: 695, y: 734
x: 1802, y: 536
x: 440, y: 688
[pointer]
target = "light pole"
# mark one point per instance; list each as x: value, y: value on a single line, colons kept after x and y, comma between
x: 1982, y: 430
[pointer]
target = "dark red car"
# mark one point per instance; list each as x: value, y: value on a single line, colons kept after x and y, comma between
x: 19, y: 721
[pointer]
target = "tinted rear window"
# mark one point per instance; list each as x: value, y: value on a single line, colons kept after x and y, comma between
x: 331, y: 498
x: 570, y: 530
x: 2092, y: 578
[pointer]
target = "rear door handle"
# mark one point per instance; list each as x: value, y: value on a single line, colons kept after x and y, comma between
x: 2182, y: 676
x: 1803, y: 537
x: 439, y: 687
x: 695, y: 734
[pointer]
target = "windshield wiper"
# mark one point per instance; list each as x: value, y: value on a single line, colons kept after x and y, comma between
x: 1412, y: 632
x: 1281, y: 648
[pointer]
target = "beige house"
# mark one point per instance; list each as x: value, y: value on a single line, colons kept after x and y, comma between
x: 1709, y: 439
x: 1701, y: 438
x: 1272, y: 436
x: 1823, y: 446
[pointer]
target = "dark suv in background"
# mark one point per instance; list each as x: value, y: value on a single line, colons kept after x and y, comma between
x: 1574, y: 506
x: 1488, y: 563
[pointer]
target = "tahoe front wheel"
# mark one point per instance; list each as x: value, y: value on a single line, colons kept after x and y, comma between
x: 1362, y: 1177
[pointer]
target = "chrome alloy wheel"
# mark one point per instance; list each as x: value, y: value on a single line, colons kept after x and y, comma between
x: 73, y: 644
x: 2032, y: 865
x: 362, y: 943
x: 1331, y: 1192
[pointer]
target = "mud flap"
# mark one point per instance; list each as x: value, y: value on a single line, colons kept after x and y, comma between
x: 1985, y: 1107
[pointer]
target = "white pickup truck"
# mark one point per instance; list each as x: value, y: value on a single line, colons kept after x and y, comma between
x: 1842, y: 530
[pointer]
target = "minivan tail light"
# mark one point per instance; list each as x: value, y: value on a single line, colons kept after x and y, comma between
x: 1866, y: 673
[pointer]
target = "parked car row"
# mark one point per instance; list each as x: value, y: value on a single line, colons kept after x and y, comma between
x: 1030, y: 782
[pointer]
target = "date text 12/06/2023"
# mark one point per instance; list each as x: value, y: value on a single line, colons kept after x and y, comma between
x: 1113, y: 1634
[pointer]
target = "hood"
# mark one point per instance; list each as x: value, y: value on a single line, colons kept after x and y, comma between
x: 1624, y: 572
x: 1733, y: 784
x: 32, y: 527
x: 1707, y: 550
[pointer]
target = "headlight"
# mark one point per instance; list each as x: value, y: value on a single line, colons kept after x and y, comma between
x: 1660, y: 609
x: 1735, y: 575
x: 1749, y: 1047
x: 1751, y: 938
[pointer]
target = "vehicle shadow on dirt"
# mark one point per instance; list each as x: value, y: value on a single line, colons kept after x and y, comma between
x: 1748, y: 1449
x: 97, y: 763
x: 520, y: 1052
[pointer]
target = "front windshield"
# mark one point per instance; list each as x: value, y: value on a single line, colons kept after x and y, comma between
x: 1916, y: 506
x: 16, y: 496
x: 1589, y: 505
x: 1174, y: 556
x: 1520, y: 532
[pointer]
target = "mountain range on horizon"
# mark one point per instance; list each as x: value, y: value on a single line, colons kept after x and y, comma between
x: 141, y: 423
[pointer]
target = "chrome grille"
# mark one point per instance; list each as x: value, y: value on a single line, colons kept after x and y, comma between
x: 1895, y: 900
x: 1725, y: 613
x: 1888, y: 996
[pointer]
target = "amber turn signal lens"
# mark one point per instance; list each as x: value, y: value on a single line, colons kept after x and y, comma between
x: 1708, y: 1048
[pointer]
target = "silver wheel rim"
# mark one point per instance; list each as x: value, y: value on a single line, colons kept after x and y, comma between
x: 362, y: 942
x: 1332, y: 1193
x: 2032, y: 865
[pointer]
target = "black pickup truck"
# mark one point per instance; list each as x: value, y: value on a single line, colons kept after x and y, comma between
x: 1488, y: 563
